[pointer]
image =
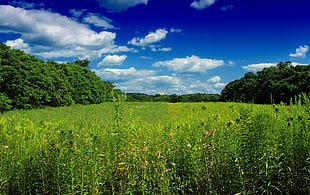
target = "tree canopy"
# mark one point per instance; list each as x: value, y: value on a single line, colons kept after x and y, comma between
x: 28, y: 82
x: 173, y: 98
x: 276, y: 84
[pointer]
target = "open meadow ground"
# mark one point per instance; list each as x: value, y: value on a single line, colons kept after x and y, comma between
x: 156, y: 148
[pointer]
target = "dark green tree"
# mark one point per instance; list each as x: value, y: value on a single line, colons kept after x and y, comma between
x: 276, y: 84
x: 83, y: 63
x: 28, y: 82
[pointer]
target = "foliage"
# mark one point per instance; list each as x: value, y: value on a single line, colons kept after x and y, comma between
x: 28, y: 82
x: 156, y: 148
x: 173, y: 98
x: 271, y: 85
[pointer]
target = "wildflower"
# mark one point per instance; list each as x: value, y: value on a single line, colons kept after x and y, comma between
x: 189, y: 146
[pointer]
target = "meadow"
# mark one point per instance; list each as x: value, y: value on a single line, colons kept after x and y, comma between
x: 156, y: 148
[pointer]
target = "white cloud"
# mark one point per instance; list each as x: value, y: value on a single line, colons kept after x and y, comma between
x: 172, y: 30
x: 261, y: 66
x: 113, y: 74
x: 77, y: 13
x: 53, y: 35
x: 113, y: 60
x: 154, y: 85
x: 150, y: 39
x: 146, y: 81
x: 214, y: 79
x: 192, y: 64
x: 120, y: 5
x: 98, y: 21
x: 220, y: 85
x: 201, y: 4
x: 18, y: 43
x: 295, y: 64
x: 197, y: 86
x: 165, y: 49
x: 258, y: 67
x: 26, y: 5
x: 231, y: 63
x: 300, y: 52
x: 146, y: 57
x: 229, y: 7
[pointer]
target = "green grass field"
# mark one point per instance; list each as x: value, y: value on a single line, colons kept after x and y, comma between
x: 156, y: 148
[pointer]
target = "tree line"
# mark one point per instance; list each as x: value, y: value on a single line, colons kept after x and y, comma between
x: 173, y: 98
x: 27, y: 82
x: 276, y: 84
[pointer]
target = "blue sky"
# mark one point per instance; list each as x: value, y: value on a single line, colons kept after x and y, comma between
x: 162, y: 46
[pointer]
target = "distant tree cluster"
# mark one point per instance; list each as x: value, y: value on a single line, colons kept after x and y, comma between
x: 28, y: 82
x: 198, y: 97
x: 281, y: 83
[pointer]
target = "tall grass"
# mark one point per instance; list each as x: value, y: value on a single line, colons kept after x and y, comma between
x: 156, y: 148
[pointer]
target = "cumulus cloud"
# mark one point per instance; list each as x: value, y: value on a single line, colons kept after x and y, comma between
x: 214, y: 79
x: 18, y: 43
x: 120, y: 5
x: 113, y: 74
x: 300, y: 52
x: 150, y: 39
x: 197, y: 86
x: 201, y: 4
x: 193, y: 64
x: 163, y: 84
x: 258, y: 67
x: 53, y: 35
x: 112, y: 60
x: 147, y: 81
x: 98, y: 21
x: 171, y: 85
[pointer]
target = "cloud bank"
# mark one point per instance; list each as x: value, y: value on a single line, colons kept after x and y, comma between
x: 261, y: 66
x: 258, y: 67
x: 51, y: 35
x: 193, y: 64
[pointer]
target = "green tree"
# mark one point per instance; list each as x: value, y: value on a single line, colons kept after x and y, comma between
x: 271, y: 85
x: 83, y: 63
x: 28, y: 82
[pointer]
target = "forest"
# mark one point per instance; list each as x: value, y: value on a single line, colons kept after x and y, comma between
x: 173, y: 98
x: 28, y: 82
x: 282, y: 83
